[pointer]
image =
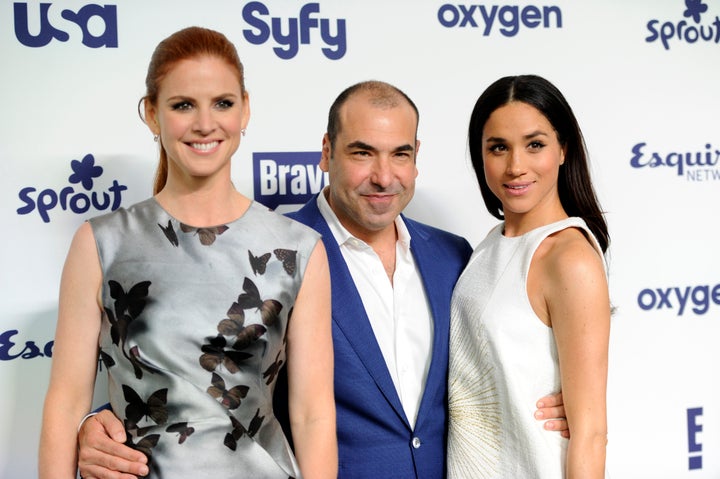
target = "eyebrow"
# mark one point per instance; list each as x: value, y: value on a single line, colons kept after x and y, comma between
x: 215, y: 98
x: 364, y: 146
x: 534, y: 134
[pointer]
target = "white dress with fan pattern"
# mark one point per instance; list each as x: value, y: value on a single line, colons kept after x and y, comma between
x: 502, y: 360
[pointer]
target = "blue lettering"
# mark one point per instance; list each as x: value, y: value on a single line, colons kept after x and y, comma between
x: 468, y: 15
x: 45, y: 35
x: 82, y: 18
x: 702, y: 300
x: 645, y: 293
x: 694, y: 446
x: 263, y: 30
x: 701, y: 297
x: 668, y: 31
x: 454, y: 16
x: 298, y: 31
x: 30, y: 351
x: 290, y: 40
x: 47, y: 199
x: 510, y: 17
x: 488, y: 19
x: 679, y: 161
x: 108, y: 14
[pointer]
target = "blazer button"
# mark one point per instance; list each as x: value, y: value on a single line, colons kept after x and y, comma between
x: 416, y: 442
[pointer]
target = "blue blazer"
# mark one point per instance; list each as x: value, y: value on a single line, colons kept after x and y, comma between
x: 374, y: 436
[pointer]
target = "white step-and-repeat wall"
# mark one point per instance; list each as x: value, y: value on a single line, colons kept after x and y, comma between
x: 641, y: 75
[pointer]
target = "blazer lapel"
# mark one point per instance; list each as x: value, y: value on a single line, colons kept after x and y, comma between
x: 348, y: 311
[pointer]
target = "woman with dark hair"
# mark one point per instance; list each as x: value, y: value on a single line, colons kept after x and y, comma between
x: 531, y: 312
x: 189, y: 296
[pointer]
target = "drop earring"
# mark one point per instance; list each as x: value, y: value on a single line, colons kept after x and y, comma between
x: 242, y: 132
x: 155, y: 138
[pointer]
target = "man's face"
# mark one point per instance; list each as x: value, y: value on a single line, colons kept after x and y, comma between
x: 372, y: 166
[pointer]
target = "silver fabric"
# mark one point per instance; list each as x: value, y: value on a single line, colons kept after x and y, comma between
x: 193, y: 334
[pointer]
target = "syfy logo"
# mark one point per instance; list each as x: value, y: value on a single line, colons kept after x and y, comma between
x: 698, y: 298
x: 685, y: 30
x: 86, y: 18
x: 289, y: 34
x: 509, y: 19
x: 79, y: 202
x: 695, y: 166
x: 287, y: 178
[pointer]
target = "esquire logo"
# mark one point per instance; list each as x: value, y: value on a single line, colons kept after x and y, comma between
x: 287, y: 178
x: 68, y: 198
x: 700, y: 165
x: 694, y: 24
x: 289, y: 34
x: 88, y: 18
x: 506, y: 19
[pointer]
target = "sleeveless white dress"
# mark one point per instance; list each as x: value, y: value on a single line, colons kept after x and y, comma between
x: 502, y: 360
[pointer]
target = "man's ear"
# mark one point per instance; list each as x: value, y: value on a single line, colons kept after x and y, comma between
x: 326, y: 153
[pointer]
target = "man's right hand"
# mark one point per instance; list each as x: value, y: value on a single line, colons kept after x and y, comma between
x: 103, y: 454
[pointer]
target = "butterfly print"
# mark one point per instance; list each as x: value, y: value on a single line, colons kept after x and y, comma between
x: 170, y: 234
x: 255, y: 424
x: 269, y: 309
x: 128, y: 306
x: 145, y: 444
x: 105, y: 359
x: 235, y: 321
x: 258, y: 263
x: 155, y: 408
x: 230, y: 398
x: 248, y: 335
x: 207, y: 235
x: 215, y: 354
x: 131, y: 303
x: 288, y: 258
x: 237, y: 432
x: 181, y: 428
x: 271, y: 372
x: 137, y: 431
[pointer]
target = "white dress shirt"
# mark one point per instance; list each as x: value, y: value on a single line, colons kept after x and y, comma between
x: 400, y: 316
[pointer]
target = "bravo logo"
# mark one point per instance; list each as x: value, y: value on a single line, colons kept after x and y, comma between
x: 84, y: 172
x: 88, y: 18
x: 287, y: 178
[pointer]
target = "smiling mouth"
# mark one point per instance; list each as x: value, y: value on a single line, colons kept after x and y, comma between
x: 205, y: 146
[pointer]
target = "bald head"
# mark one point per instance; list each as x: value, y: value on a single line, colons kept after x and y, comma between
x: 378, y: 94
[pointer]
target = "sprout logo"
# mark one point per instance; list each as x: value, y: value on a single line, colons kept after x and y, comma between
x: 690, y: 29
x: 79, y: 202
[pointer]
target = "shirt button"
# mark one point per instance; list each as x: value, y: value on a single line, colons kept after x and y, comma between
x: 416, y: 442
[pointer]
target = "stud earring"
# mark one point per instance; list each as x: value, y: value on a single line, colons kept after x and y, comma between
x: 242, y: 132
x: 155, y: 138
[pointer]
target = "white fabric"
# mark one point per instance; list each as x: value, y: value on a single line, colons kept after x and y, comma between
x: 400, y: 316
x: 502, y: 360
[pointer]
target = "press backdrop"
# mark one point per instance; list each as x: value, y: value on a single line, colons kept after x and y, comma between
x: 641, y: 75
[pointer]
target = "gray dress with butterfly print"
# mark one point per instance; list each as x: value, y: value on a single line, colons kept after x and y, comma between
x: 193, y: 335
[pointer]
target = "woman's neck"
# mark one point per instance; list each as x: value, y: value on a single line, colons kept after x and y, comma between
x: 203, y: 207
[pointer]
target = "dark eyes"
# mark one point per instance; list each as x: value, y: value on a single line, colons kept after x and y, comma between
x: 186, y: 105
x: 500, y: 147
